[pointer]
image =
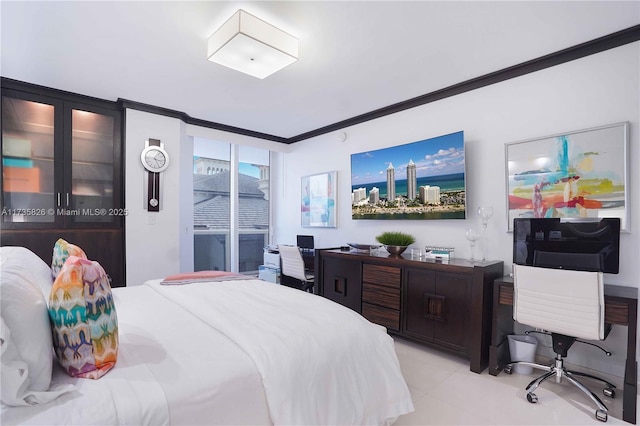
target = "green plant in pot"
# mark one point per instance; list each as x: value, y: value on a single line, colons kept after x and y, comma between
x: 395, y: 242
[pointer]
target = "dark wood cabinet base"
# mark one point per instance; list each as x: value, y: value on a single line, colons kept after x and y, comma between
x: 444, y: 305
x: 104, y: 246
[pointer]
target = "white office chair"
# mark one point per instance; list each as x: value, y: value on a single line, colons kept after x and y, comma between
x: 570, y: 305
x: 293, y: 266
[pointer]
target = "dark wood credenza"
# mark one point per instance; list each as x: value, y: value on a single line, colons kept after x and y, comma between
x: 446, y: 305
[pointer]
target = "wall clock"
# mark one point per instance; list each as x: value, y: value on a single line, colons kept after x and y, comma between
x: 155, y: 160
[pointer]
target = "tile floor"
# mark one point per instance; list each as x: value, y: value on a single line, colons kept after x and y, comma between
x: 445, y: 392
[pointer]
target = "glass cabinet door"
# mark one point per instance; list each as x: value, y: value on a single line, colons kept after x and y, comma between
x: 92, y: 166
x: 28, y: 134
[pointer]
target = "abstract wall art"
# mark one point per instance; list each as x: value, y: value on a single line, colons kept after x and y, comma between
x: 579, y: 174
x: 318, y: 200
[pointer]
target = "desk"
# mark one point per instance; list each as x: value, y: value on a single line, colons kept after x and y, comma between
x: 621, y: 308
x: 309, y: 258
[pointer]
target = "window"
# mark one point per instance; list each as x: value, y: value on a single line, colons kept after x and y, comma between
x: 231, y: 206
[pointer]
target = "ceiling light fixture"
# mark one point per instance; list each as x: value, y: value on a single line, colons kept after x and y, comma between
x: 252, y: 46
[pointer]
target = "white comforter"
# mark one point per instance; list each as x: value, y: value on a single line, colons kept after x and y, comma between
x: 238, y: 352
x: 320, y: 363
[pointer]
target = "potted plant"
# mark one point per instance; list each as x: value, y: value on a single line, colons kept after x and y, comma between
x: 395, y: 242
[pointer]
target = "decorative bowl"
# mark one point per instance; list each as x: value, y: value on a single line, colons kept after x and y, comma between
x: 363, y: 246
x: 397, y: 250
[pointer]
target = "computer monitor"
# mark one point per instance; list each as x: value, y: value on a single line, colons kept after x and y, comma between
x: 305, y: 242
x: 583, y: 245
x: 573, y: 261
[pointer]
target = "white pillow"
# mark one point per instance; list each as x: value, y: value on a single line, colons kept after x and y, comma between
x: 30, y: 261
x: 24, y: 311
x: 15, y: 376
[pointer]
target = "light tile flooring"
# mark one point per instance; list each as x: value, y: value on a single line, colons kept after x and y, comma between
x: 446, y: 392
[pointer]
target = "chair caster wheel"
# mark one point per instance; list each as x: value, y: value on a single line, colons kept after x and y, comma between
x: 533, y: 398
x: 508, y: 369
x: 609, y: 392
x: 601, y: 415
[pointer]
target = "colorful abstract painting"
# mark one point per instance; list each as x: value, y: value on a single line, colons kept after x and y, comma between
x: 318, y: 200
x: 581, y: 174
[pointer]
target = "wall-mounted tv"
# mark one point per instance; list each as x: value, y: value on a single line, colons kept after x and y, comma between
x: 418, y: 180
x: 582, y: 245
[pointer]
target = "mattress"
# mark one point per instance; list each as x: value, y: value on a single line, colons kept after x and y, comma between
x: 234, y: 352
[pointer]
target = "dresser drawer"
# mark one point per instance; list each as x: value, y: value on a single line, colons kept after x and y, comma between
x: 386, y: 317
x: 616, y: 312
x: 388, y: 276
x: 383, y: 296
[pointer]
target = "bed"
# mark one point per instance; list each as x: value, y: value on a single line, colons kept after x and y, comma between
x: 231, y: 351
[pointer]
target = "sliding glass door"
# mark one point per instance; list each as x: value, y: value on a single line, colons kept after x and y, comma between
x: 231, y: 206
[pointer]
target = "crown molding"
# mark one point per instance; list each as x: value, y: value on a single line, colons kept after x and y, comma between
x: 601, y: 44
x: 125, y: 103
x: 582, y: 50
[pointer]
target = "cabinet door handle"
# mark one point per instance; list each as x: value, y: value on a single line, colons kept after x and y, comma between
x: 67, y: 199
x: 433, y: 306
x: 340, y: 285
x: 58, y: 199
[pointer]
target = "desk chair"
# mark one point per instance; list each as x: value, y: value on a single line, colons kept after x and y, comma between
x: 569, y: 304
x: 293, y: 266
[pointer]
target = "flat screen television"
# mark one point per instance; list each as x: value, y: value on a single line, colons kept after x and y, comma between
x: 582, y: 245
x: 416, y: 181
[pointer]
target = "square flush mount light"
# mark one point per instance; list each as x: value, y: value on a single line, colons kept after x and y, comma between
x: 252, y: 46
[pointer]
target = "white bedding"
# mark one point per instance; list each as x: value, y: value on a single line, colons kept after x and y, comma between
x: 238, y: 352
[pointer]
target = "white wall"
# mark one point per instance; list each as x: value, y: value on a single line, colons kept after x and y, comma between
x: 158, y: 243
x: 185, y: 201
x: 596, y: 90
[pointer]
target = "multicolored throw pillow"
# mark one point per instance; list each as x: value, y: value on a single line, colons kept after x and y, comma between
x: 83, y: 318
x: 61, y: 252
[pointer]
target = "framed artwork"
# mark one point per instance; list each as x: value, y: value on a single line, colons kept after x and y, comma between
x: 318, y: 200
x: 423, y: 180
x: 579, y: 174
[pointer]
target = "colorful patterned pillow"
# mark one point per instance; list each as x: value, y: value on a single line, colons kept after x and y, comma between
x: 83, y: 318
x: 61, y: 252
